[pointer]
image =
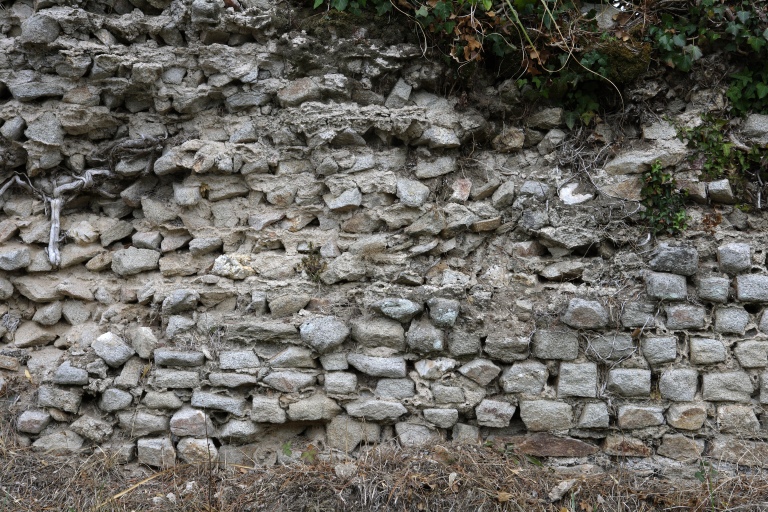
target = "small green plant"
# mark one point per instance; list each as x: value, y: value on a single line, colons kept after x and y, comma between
x: 664, y: 203
x: 312, y: 264
x: 705, y: 475
x: 286, y: 449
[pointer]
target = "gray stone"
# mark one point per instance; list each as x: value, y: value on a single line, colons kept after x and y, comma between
x: 731, y: 320
x: 683, y: 260
x: 266, y: 409
x: 340, y: 383
x: 6, y: 289
x: 504, y: 346
x: 293, y: 357
x: 324, y: 333
x: 443, y: 312
x: 684, y: 316
x: 398, y: 96
x: 238, y: 360
x: 707, y: 351
x: 720, y: 192
x: 392, y: 367
x: 140, y: 423
x: 29, y: 334
x: 734, y: 258
x: 240, y: 431
x: 680, y: 447
x: 638, y: 314
x: 447, y: 394
x: 402, y: 310
x: 186, y: 358
x: 117, y: 231
x: 504, y: 195
x: 465, y: 434
x: 68, y: 375
x: 318, y: 407
x: 75, y: 312
x: 231, y: 380
x: 114, y: 399
x: 727, y: 387
x: 494, y: 413
x: 345, y: 434
x: 112, y: 349
x: 464, y: 343
x: 15, y: 258
x: 577, y: 379
x: 131, y: 373
x: 347, y: 201
x: 481, y: 371
x: 409, y: 434
x: 334, y: 362
x: 412, y: 193
x: 629, y: 382
x: 633, y: 416
x: 66, y: 400
x: 179, y: 301
x: 175, y: 379
x: 207, y: 400
x: 378, y: 332
x: 441, y: 418
x: 177, y: 325
x: 395, y: 388
x: 510, y: 140
x: 526, y: 377
x: 148, y: 240
x: 13, y: 129
x: 131, y: 261
x: 424, y: 337
x: 197, y: 451
x: 434, y: 369
x: 232, y: 266
x: 426, y: 169
x: 542, y: 415
x: 755, y: 128
x: 666, y: 286
x: 585, y: 314
x: 752, y: 288
x: 546, y: 119
x: 143, y: 341
x: 659, y: 349
x: 157, y: 452
x: 32, y: 422
x: 347, y: 267
x: 686, y: 416
x: 679, y: 384
x: 714, y: 289
x: 737, y: 419
x: 201, y: 246
x: 65, y: 442
x: 39, y: 29
x: 287, y: 305
x: 92, y: 428
x: 161, y: 400
x: 594, y: 415
x: 555, y: 344
x: 289, y: 381
x: 38, y: 288
x: 752, y: 353
x: 612, y: 347
x: 375, y: 410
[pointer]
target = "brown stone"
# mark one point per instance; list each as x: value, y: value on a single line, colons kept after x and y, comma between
x: 9, y: 363
x: 686, y: 416
x: 680, y: 447
x: 739, y: 451
x: 546, y: 445
x: 626, y: 447
x: 486, y: 225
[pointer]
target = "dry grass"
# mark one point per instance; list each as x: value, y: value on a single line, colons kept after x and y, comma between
x: 444, y: 477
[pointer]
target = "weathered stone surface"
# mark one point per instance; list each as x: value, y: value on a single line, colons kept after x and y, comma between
x: 679, y: 384
x: 217, y: 402
x: 625, y: 446
x: 378, y: 332
x: 157, y: 452
x: 737, y: 419
x: 638, y: 314
x: 267, y: 409
x: 686, y: 416
x: 494, y: 413
x: 441, y: 418
x: 752, y: 353
x: 171, y: 357
x: 324, y: 333
x: 32, y: 421
x: 65, y: 442
x: 180, y: 300
x: 14, y: 258
x: 577, y: 379
x: 506, y: 347
x: 412, y: 193
x: 433, y: 369
x: 131, y: 261
x: 683, y: 260
x: 340, y: 383
x: 197, y: 451
x: 395, y: 388
x: 714, y: 289
x: 141, y: 423
x: 527, y: 377
x: 727, y: 387
x: 664, y: 286
x: 392, y: 367
x: 375, y: 410
x: 29, y: 334
x: 345, y: 433
x: 585, y: 314
x: 143, y: 341
x: 315, y: 408
x: 113, y: 399
x: 176, y: 379
x: 465, y: 434
x: 707, y: 351
x: 594, y: 415
x: 481, y: 371
x: 659, y: 349
x: 68, y: 375
x: 684, y: 316
x: 739, y: 451
x: 629, y: 382
x: 66, y: 400
x: 752, y: 288
x: 633, y: 416
x: 424, y: 337
x: 238, y: 360
x: 547, y: 445
x: 289, y: 381
x: 556, y: 344
x: 188, y: 422
x: 612, y: 346
x: 443, y: 312
x: 731, y: 320
x: 92, y: 428
x: 734, y: 258
x: 542, y: 415
x: 402, y: 310
x: 680, y: 447
x: 112, y: 349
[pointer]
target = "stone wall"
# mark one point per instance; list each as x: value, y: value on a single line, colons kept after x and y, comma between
x: 279, y: 229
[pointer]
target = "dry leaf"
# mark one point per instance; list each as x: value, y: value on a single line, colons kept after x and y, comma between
x: 503, y: 497
x: 28, y: 375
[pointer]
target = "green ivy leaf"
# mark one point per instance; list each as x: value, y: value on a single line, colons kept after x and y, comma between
x: 422, y: 12
x: 318, y: 3
x: 762, y: 90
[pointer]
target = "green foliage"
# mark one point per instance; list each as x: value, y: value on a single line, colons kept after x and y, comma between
x: 749, y: 90
x: 664, y: 204
x: 718, y: 156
